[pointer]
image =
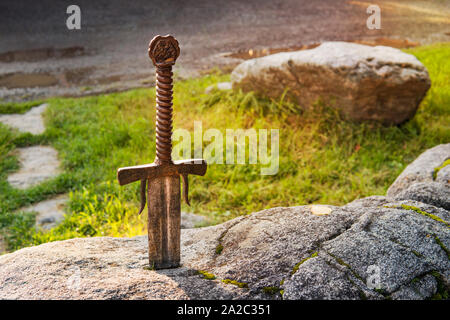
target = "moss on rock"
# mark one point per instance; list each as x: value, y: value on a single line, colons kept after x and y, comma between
x: 236, y: 283
x: 206, y: 275
x: 427, y: 214
x: 294, y: 270
x: 437, y: 169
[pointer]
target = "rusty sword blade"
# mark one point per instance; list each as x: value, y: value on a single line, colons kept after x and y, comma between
x: 160, y: 180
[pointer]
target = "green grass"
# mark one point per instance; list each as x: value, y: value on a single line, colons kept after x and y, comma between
x: 11, y: 107
x: 322, y: 159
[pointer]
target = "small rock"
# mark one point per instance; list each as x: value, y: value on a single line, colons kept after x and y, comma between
x: 363, y: 82
x: 49, y: 212
x: 219, y: 86
x: 46, y: 220
x: 30, y: 121
x: 191, y: 220
x: 320, y: 210
x: 37, y: 164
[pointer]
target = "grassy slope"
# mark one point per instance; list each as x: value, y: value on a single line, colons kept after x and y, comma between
x: 322, y: 159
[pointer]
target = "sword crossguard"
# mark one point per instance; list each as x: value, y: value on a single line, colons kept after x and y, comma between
x: 154, y: 170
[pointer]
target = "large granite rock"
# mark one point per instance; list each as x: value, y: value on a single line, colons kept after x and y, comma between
x: 422, y: 169
x: 363, y: 82
x: 427, y: 179
x: 372, y: 248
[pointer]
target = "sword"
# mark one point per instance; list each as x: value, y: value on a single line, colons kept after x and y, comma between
x: 163, y: 175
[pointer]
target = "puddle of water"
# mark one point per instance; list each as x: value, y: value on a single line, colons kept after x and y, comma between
x: 65, y: 79
x: 251, y: 54
x: 105, y: 80
x: 41, y: 54
x: 75, y: 77
x: 78, y: 76
x: 27, y: 80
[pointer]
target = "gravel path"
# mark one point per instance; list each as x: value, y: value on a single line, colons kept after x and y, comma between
x: 40, y: 57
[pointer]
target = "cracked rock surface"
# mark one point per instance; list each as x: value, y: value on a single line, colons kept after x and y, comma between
x: 364, y: 83
x: 372, y: 248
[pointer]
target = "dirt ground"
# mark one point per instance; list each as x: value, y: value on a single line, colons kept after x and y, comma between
x: 40, y: 57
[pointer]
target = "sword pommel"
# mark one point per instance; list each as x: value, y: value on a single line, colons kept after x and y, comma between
x: 163, y: 51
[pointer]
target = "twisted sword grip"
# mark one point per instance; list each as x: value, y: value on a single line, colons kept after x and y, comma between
x: 164, y: 114
x: 163, y: 51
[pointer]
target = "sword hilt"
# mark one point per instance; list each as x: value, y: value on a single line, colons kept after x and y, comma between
x: 163, y: 51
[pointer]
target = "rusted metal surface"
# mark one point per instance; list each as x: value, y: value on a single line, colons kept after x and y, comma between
x: 160, y: 180
x: 164, y: 51
x: 164, y: 222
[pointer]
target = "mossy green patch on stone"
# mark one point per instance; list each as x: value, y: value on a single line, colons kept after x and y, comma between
x: 150, y: 268
x: 271, y: 290
x: 361, y: 293
x: 427, y: 214
x: 415, y: 280
x: 417, y: 254
x: 439, y: 242
x: 219, y: 249
x: 295, y: 269
x: 206, y: 275
x: 343, y: 263
x: 236, y: 283
x: 437, y: 169
x: 442, y: 292
x: 381, y: 291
